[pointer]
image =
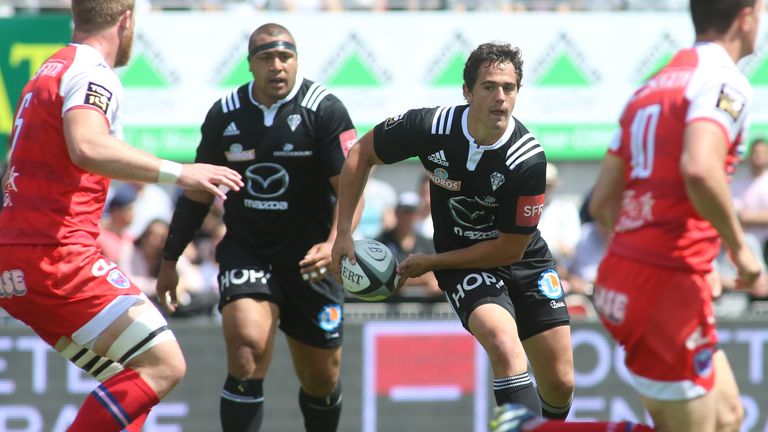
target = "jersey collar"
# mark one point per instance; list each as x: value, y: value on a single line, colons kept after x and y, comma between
x: 476, y: 151
x: 271, y: 112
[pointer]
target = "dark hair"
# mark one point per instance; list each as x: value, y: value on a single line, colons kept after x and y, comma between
x: 717, y: 15
x: 271, y: 30
x: 493, y: 53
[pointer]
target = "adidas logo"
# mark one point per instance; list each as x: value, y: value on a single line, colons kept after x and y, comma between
x: 438, y: 158
x: 231, y: 130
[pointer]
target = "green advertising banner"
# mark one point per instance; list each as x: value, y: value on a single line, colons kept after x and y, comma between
x: 25, y: 43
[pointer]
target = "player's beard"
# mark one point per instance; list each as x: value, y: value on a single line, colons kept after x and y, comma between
x: 124, y: 50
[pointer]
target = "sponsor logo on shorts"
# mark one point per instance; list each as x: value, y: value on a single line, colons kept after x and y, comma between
x: 472, y: 281
x: 549, y: 284
x: 554, y: 304
x: 12, y: 283
x: 118, y: 279
x: 702, y: 362
x: 329, y: 318
x: 610, y: 304
x: 98, y: 97
x: 241, y: 276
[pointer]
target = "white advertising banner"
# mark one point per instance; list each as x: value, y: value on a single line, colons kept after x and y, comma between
x: 579, y: 68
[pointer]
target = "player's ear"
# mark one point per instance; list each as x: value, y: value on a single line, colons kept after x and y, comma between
x: 467, y: 93
x: 126, y: 21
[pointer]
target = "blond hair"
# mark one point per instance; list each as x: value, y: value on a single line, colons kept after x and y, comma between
x: 92, y: 16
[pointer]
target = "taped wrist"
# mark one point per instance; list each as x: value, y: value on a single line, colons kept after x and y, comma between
x: 187, y: 219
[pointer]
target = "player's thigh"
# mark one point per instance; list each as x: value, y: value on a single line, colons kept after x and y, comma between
x: 730, y: 412
x: 317, y: 368
x: 495, y: 329
x: 551, y: 357
x: 693, y: 415
x: 249, y: 326
x: 538, y: 297
x: 312, y: 312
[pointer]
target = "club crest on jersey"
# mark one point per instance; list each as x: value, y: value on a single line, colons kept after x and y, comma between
x: 731, y: 101
x: 329, y: 317
x: 293, y: 121
x: 393, y: 121
x: 118, y: 279
x: 549, y: 284
x: 440, y: 178
x: 237, y: 154
x: 497, y: 179
x: 98, y: 97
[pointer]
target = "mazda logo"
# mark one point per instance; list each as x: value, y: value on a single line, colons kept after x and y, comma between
x: 266, y: 180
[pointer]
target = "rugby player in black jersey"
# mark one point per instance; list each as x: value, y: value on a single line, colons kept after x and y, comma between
x: 288, y: 137
x: 487, y: 174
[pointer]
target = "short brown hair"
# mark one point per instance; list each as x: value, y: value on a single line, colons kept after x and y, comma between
x: 96, y: 15
x: 716, y: 15
x: 494, y: 53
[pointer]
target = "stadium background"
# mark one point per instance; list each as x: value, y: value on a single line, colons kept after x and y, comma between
x: 579, y: 69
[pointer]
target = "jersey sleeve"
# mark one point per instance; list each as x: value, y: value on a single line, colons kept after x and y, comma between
x: 523, y: 201
x: 723, y: 98
x: 397, y: 138
x: 209, y: 151
x: 336, y: 134
x: 96, y: 88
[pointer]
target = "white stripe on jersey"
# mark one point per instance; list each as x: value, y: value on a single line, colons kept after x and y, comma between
x: 315, y: 94
x: 230, y: 102
x: 441, y: 125
x: 523, y: 149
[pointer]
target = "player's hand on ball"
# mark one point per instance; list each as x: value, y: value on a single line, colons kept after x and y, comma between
x: 167, y: 281
x: 344, y: 246
x: 413, y: 266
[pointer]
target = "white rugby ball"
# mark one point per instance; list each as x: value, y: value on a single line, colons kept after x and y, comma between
x: 374, y: 276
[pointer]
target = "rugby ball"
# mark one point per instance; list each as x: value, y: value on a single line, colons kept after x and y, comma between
x: 373, y: 277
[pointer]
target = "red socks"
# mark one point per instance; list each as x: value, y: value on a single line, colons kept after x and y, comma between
x: 119, y: 403
x: 559, y: 426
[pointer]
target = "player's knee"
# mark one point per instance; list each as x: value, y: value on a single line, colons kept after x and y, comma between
x: 319, y: 381
x: 730, y: 415
x: 504, y: 351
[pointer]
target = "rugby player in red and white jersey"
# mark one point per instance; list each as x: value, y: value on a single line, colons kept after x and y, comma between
x: 64, y: 148
x: 663, y: 190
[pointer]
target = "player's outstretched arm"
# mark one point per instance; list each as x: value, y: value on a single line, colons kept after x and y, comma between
x: 354, y: 175
x: 93, y: 149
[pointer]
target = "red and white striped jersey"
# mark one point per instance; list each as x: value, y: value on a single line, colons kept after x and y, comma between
x: 48, y: 199
x: 657, y: 223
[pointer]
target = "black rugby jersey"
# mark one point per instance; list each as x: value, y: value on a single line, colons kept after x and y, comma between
x: 476, y: 191
x: 286, y: 155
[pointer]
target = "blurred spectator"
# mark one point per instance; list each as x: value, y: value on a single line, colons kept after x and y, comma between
x: 311, y: 5
x: 143, y: 266
x: 589, y: 251
x: 751, y: 195
x: 152, y: 202
x: 560, y: 224
x: 379, y: 211
x: 115, y: 241
x: 424, y: 224
x: 403, y: 240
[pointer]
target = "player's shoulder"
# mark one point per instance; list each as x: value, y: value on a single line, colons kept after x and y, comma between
x: 231, y: 102
x: 314, y: 96
x: 714, y: 66
x: 522, y: 148
x: 83, y: 63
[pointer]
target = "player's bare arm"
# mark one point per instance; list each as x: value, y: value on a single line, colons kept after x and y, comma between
x: 168, y: 277
x: 361, y: 158
x: 92, y: 148
x: 317, y: 261
x: 701, y: 164
x: 504, y: 250
x: 606, y: 196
